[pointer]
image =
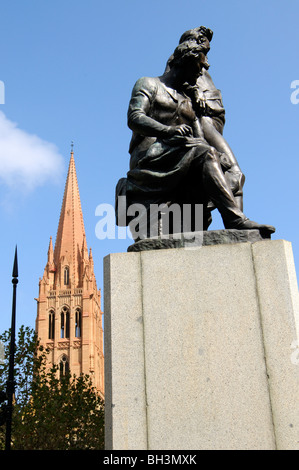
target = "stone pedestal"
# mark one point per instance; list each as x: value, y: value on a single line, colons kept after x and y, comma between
x: 200, y: 348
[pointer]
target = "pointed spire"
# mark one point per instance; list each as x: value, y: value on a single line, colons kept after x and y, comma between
x: 71, y: 231
x: 91, y: 265
x: 50, y: 252
x: 84, y: 249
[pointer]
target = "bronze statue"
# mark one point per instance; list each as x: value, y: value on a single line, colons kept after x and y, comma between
x: 178, y: 153
x: 207, y: 101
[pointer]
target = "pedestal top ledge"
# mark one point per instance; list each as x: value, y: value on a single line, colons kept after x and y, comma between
x: 196, y: 239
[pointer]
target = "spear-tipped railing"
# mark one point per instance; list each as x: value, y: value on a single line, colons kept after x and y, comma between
x: 10, y: 389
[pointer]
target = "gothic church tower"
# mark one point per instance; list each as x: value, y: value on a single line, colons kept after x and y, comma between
x: 69, y: 316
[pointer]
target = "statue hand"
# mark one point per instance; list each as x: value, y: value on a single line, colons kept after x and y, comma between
x: 181, y: 130
x: 200, y: 107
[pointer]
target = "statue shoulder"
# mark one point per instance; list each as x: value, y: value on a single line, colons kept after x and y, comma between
x: 147, y: 85
x: 205, y: 81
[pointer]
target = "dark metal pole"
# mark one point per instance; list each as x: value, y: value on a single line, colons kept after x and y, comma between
x: 10, y: 389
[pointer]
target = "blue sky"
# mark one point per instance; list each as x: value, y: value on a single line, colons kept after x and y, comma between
x: 68, y: 68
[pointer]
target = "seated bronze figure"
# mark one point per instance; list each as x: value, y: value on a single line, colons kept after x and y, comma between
x: 178, y: 153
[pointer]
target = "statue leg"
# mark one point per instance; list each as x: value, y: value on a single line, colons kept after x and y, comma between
x: 232, y: 171
x: 218, y: 190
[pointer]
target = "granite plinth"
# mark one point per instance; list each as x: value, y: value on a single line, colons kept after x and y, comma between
x: 199, y: 348
x: 196, y: 239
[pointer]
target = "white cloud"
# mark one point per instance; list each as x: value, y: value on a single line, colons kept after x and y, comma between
x: 26, y: 161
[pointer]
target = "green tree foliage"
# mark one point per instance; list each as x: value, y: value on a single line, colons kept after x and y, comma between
x: 50, y: 413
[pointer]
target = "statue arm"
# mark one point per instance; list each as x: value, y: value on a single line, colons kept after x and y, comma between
x: 139, y: 121
x: 197, y: 129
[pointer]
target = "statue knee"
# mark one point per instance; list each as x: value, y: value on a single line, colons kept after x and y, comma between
x: 212, y: 155
x: 236, y: 180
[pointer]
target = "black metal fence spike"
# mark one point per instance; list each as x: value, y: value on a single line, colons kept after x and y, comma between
x: 10, y: 388
x: 15, y: 264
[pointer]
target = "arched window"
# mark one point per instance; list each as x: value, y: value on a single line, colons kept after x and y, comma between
x: 62, y: 325
x: 51, y: 324
x: 78, y: 323
x: 65, y: 323
x: 64, y: 366
x: 66, y: 276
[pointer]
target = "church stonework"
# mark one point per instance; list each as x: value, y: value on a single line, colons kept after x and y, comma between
x: 69, y: 315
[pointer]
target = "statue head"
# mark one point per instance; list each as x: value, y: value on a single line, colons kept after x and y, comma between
x: 198, y: 34
x: 190, y: 58
x: 200, y: 37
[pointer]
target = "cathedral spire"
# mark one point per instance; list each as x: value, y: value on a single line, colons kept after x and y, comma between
x: 71, y: 231
x: 69, y: 315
